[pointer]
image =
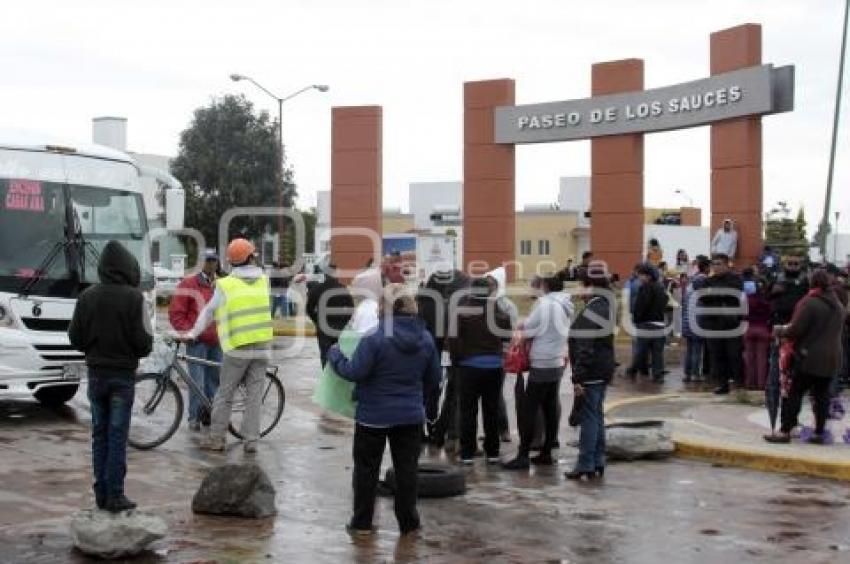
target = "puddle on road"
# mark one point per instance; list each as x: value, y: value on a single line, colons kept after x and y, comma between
x: 807, y: 502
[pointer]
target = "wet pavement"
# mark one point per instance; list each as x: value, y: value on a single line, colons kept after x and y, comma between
x: 680, y: 511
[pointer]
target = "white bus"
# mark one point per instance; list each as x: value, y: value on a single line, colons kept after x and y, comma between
x: 60, y: 203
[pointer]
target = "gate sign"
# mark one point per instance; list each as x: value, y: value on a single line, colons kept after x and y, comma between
x: 752, y: 91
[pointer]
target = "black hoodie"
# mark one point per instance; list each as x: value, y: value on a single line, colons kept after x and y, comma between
x: 109, y: 320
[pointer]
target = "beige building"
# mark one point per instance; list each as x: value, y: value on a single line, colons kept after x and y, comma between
x: 546, y: 239
x: 394, y: 221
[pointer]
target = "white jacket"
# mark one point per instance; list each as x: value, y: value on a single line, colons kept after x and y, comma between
x: 548, y: 326
x: 725, y: 242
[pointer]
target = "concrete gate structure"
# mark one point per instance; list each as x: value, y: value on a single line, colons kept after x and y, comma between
x: 731, y: 101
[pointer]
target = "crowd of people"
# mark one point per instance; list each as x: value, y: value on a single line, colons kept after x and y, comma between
x: 428, y: 357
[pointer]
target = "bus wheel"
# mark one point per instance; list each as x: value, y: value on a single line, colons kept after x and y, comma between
x: 55, y: 396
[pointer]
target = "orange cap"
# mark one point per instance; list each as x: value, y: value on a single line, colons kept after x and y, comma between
x: 239, y: 250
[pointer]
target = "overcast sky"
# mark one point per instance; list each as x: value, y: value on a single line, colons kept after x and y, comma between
x: 155, y: 61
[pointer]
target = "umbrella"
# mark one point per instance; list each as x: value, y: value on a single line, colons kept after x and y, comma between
x: 772, y: 389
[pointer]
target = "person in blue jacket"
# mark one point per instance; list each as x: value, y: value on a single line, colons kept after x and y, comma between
x: 395, y: 369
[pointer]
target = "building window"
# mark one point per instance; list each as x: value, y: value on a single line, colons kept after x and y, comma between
x: 525, y: 247
x: 542, y: 247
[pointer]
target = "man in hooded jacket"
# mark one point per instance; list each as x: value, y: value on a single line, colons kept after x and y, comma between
x: 109, y: 326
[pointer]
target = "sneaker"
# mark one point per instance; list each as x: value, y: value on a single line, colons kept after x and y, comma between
x: 250, y: 447
x: 213, y: 443
x: 359, y: 533
x: 817, y: 440
x: 119, y: 504
x: 721, y: 391
x: 506, y: 436
x: 494, y: 459
x: 466, y: 461
x: 518, y: 463
x: 195, y: 426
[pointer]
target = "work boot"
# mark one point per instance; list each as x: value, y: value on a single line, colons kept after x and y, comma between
x: 359, y: 533
x: 543, y: 459
x: 119, y: 504
x: 216, y: 444
x: 779, y: 438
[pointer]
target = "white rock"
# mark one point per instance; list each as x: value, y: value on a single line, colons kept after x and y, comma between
x: 108, y: 535
x: 639, y: 439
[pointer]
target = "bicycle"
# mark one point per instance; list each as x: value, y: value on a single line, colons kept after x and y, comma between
x: 158, y: 402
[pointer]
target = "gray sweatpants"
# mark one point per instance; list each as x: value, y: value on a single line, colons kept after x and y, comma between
x: 245, y: 364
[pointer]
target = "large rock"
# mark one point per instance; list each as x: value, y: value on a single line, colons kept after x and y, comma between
x: 107, y: 535
x: 638, y: 439
x: 242, y: 490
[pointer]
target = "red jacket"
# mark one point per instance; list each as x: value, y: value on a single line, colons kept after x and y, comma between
x: 193, y: 293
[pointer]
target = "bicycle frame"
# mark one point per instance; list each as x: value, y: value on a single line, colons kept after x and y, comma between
x: 190, y: 382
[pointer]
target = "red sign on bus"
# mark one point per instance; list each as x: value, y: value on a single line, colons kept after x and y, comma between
x: 25, y: 195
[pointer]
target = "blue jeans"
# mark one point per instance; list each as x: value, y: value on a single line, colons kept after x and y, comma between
x: 279, y: 302
x: 653, y: 349
x: 591, y: 442
x: 206, y: 377
x: 693, y: 356
x: 111, y: 397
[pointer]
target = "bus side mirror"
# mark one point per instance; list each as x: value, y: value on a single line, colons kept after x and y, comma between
x: 175, y: 205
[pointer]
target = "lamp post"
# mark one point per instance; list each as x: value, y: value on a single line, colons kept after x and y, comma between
x: 280, y: 100
x: 835, y: 239
x: 684, y: 194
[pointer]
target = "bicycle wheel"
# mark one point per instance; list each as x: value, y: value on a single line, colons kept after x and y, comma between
x: 157, y: 409
x: 273, y: 400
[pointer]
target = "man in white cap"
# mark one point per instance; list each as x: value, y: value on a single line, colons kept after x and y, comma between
x: 725, y: 241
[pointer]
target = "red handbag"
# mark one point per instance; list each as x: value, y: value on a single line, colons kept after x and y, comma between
x: 516, y: 358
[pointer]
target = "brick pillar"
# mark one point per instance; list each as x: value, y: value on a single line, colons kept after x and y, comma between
x: 691, y: 216
x: 489, y: 232
x: 616, y: 185
x: 356, y: 199
x: 736, y: 178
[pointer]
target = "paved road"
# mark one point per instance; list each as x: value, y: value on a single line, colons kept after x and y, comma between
x: 676, y: 511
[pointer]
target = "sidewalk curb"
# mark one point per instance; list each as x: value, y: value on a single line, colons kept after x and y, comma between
x: 616, y: 404
x: 787, y: 463
x: 723, y: 453
x: 294, y: 332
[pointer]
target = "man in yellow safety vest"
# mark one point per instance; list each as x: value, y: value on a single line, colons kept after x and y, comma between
x: 240, y: 305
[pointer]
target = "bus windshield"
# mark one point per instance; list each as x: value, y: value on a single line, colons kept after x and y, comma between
x: 38, y: 219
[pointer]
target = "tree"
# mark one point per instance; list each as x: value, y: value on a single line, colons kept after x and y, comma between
x: 801, y: 224
x: 229, y: 157
x: 784, y: 234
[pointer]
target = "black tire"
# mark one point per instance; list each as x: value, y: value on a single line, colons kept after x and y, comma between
x: 273, y: 402
x: 157, y: 411
x: 54, y: 396
x: 435, y: 480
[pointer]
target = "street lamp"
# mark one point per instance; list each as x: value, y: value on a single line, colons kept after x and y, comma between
x: 280, y: 100
x: 684, y: 194
x: 835, y: 239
